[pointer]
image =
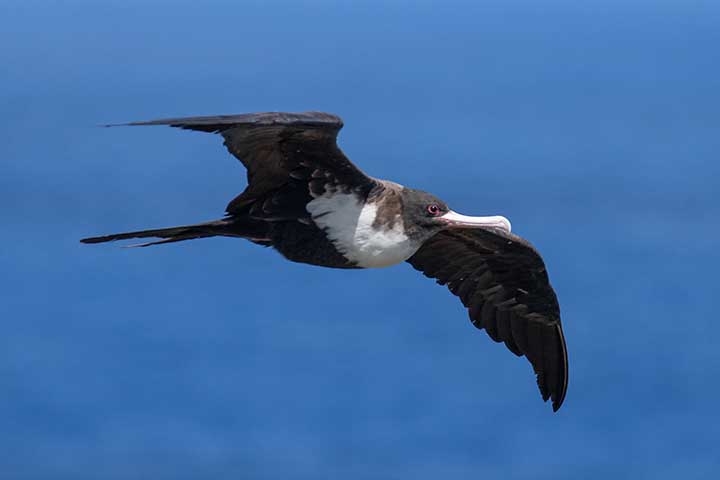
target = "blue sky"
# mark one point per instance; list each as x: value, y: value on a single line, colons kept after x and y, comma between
x: 593, y: 126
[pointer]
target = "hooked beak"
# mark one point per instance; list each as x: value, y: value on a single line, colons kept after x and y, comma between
x: 454, y: 219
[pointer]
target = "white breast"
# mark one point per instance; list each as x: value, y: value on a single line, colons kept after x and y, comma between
x: 349, y: 225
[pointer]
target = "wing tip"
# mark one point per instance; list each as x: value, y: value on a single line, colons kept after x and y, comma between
x: 138, y: 124
x: 558, y: 395
x: 552, y: 377
x: 131, y: 124
x: 556, y: 392
x: 558, y: 398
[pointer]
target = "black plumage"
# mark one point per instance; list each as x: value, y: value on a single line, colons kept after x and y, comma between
x: 502, y: 281
x: 307, y: 200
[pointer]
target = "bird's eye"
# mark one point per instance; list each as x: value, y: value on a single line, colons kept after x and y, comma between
x: 433, y: 209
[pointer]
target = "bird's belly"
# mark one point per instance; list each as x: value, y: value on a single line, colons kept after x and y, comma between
x: 350, y: 226
x: 380, y: 250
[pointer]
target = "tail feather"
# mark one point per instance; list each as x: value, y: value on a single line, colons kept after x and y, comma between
x: 172, y: 234
x: 160, y: 242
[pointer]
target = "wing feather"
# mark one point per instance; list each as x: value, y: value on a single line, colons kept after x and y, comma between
x: 287, y: 155
x: 502, y: 281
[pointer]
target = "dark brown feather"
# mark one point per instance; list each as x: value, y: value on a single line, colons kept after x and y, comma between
x: 503, y: 282
x: 289, y: 157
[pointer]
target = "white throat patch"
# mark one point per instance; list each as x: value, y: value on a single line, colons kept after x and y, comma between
x: 348, y: 224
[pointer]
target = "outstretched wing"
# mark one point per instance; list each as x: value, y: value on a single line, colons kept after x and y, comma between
x: 502, y: 281
x: 290, y: 158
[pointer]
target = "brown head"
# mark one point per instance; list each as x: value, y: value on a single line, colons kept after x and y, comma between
x: 424, y: 215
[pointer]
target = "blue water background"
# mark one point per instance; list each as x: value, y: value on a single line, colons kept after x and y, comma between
x: 594, y: 126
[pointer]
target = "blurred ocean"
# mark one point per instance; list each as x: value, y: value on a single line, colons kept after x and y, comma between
x: 594, y: 126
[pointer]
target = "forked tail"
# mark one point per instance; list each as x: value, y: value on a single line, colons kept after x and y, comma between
x: 174, y: 234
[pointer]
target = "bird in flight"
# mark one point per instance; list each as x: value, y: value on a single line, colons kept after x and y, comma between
x: 309, y: 202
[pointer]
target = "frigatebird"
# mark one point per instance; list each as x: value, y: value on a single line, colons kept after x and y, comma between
x: 309, y: 202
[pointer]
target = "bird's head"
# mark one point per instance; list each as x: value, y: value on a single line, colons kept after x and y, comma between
x: 425, y: 215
